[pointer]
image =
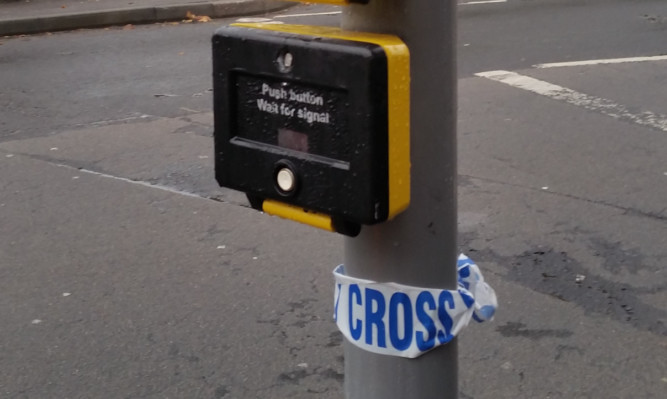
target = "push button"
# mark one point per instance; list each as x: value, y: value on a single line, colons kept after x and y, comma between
x: 286, y: 180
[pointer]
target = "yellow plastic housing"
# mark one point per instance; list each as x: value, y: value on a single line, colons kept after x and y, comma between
x: 297, y: 214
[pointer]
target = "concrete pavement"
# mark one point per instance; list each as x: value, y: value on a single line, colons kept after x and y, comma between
x: 36, y: 16
x: 73, y: 327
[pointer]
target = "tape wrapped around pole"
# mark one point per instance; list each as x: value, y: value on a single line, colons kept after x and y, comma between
x: 399, y: 320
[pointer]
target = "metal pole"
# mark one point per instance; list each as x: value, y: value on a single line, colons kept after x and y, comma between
x: 418, y: 248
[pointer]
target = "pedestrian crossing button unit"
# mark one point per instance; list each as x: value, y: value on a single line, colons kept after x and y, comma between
x: 312, y: 123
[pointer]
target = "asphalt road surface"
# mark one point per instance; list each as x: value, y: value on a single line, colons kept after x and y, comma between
x: 126, y: 272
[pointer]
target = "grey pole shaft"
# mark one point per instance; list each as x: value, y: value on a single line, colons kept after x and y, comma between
x: 419, y: 247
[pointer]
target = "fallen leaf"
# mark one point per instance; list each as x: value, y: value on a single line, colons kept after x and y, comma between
x: 198, y: 18
x: 181, y: 53
x: 128, y: 27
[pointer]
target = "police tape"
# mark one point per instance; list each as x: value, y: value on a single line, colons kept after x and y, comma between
x: 399, y: 320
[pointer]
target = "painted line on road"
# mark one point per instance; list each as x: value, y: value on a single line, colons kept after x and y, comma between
x: 315, y: 14
x: 472, y: 3
x: 592, y: 103
x: 312, y: 14
x: 137, y: 182
x: 602, y: 61
x: 115, y: 121
x: 143, y: 183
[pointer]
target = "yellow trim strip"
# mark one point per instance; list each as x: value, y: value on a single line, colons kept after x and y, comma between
x: 398, y: 102
x: 398, y: 75
x: 297, y: 214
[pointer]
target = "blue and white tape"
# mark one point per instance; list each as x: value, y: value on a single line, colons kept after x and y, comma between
x: 399, y: 320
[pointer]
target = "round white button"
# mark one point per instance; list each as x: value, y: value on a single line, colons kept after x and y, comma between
x: 286, y: 179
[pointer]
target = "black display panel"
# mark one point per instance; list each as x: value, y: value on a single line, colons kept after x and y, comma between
x: 325, y: 118
x: 303, y: 120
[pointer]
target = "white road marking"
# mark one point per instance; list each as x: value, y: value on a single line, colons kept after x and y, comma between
x: 113, y: 121
x: 603, y: 61
x: 137, y: 182
x: 597, y: 104
x: 191, y: 110
x: 143, y: 183
x: 312, y: 14
x: 316, y: 14
x: 253, y: 20
x: 472, y: 3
